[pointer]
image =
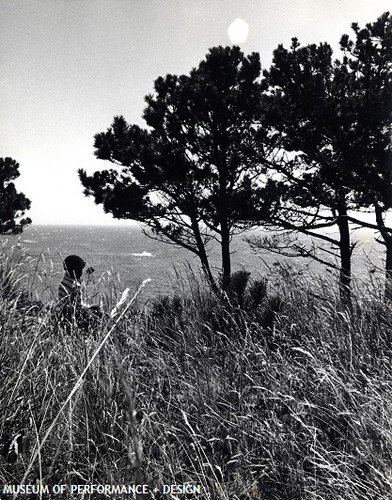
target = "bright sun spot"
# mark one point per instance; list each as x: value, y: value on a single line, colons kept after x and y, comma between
x: 238, y: 31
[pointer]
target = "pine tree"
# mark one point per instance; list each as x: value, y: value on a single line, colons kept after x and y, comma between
x: 12, y: 204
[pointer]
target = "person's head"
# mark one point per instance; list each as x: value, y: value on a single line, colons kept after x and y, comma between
x: 74, y: 266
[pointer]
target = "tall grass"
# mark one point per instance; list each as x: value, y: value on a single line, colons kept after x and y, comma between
x: 285, y: 399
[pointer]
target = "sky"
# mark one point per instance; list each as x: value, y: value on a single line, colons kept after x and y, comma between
x: 67, y: 67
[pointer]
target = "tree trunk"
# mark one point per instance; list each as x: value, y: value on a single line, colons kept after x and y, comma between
x: 345, y: 257
x: 387, y: 237
x: 225, y: 249
x: 202, y: 254
x: 206, y: 267
x: 388, y: 268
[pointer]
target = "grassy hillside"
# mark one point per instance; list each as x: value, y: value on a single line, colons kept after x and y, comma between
x: 277, y: 396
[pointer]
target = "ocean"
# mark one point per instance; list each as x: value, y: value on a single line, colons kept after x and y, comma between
x: 124, y: 256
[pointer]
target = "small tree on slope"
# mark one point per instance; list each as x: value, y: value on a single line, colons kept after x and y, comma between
x: 12, y: 204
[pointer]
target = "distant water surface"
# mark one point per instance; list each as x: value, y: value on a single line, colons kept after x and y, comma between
x: 125, y: 252
x: 131, y: 257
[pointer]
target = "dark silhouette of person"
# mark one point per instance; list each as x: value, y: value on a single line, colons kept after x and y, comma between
x: 69, y: 292
x: 69, y: 289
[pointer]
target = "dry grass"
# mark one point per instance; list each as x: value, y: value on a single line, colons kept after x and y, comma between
x: 286, y: 400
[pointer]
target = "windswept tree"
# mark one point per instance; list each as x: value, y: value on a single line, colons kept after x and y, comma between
x: 13, y: 205
x: 304, y: 120
x: 191, y: 176
x: 366, y: 73
x: 334, y: 119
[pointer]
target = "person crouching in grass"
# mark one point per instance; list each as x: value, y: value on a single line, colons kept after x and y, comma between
x: 70, y: 296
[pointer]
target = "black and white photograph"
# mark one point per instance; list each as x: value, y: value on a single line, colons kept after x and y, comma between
x: 196, y: 249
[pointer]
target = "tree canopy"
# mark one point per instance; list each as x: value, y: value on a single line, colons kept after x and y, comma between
x: 13, y: 205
